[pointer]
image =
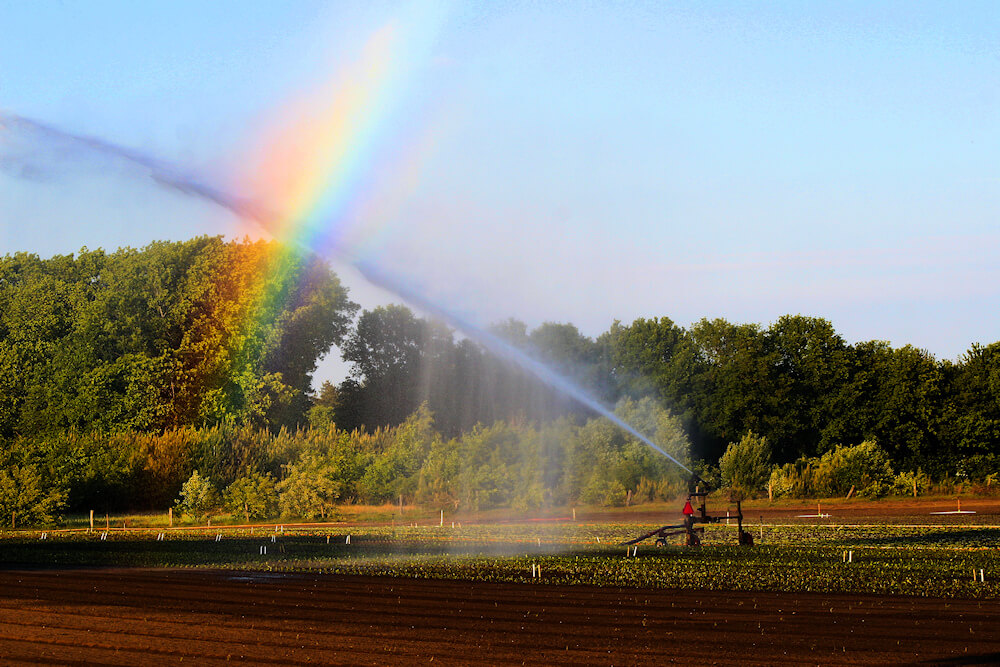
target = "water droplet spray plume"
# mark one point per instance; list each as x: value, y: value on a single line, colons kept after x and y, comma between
x: 170, y: 177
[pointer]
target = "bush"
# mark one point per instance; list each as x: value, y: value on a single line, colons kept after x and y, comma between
x: 254, y: 495
x: 198, y: 497
x: 864, y: 467
x: 745, y: 467
x: 905, y: 483
x: 792, y: 480
x: 25, y: 499
x: 310, y: 488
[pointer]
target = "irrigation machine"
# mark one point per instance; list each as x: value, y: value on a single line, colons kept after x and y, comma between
x: 694, y: 514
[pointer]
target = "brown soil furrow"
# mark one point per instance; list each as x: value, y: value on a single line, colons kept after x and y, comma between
x: 154, y: 616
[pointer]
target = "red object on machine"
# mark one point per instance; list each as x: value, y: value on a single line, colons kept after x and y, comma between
x: 688, y: 510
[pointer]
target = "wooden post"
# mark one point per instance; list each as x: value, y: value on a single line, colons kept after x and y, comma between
x: 914, y: 487
x: 851, y: 492
x: 107, y: 522
x: 401, y: 504
x: 574, y: 514
x: 170, y: 515
x: 770, y: 490
x: 91, y: 520
x: 442, y: 519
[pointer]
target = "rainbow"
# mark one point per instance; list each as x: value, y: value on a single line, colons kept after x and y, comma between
x: 337, y: 164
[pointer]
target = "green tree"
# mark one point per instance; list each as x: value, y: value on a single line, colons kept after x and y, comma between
x: 311, y: 487
x: 199, y: 497
x: 25, y: 499
x: 385, y: 352
x: 253, y: 494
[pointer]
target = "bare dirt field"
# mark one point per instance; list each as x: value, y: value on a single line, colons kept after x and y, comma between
x: 206, y: 617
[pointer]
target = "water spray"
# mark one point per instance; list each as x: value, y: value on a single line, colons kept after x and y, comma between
x: 172, y: 178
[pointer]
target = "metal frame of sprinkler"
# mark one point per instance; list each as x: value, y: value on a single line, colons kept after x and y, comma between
x: 694, y: 516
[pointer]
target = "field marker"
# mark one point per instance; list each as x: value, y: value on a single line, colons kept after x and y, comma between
x: 274, y: 538
x: 348, y: 540
x: 104, y: 536
x: 218, y: 538
x: 327, y: 539
x: 818, y: 515
x: 160, y: 536
x: 958, y: 511
x: 263, y: 550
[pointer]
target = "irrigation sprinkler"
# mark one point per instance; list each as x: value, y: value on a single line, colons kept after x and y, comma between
x: 694, y: 516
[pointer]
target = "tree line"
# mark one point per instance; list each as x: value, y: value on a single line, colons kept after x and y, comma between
x: 107, y: 358
x: 796, y: 383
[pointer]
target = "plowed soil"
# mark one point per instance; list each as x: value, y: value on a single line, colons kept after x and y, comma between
x: 147, y: 617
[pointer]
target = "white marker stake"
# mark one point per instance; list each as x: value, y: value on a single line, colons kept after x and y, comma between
x: 442, y: 519
x: 348, y: 540
x: 532, y: 570
x: 982, y: 577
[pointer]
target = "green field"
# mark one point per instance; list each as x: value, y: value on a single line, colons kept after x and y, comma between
x: 928, y: 560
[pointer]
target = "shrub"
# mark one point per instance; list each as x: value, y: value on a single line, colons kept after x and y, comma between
x: 25, y: 499
x: 864, y: 467
x: 310, y: 488
x: 745, y: 467
x: 254, y: 495
x: 198, y: 497
x: 910, y: 483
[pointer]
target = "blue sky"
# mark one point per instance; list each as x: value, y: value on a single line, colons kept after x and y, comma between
x: 596, y: 161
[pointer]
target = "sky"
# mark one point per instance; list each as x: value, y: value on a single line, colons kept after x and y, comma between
x: 578, y: 162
